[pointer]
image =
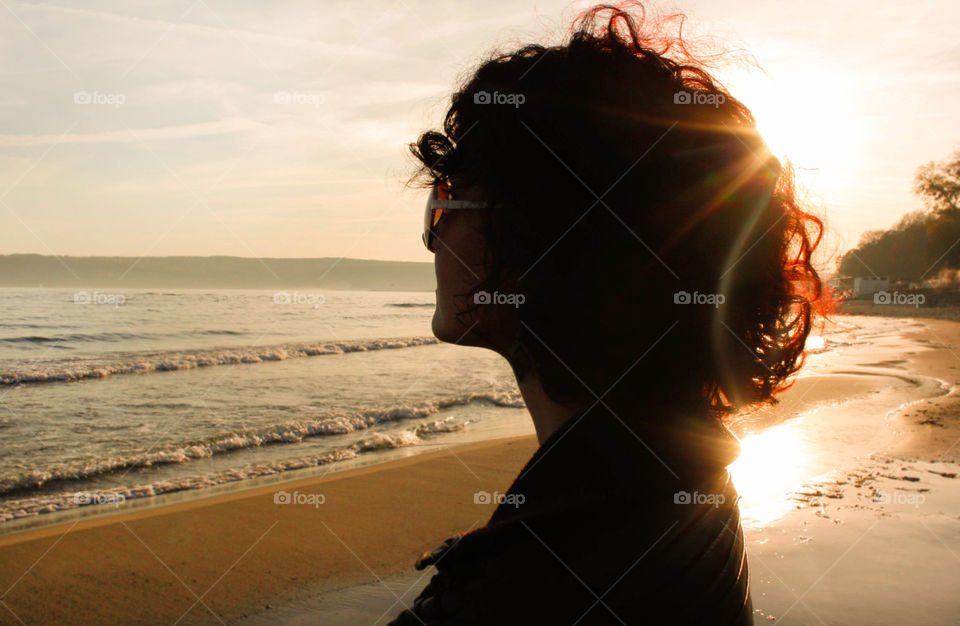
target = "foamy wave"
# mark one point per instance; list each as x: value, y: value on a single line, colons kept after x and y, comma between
x: 33, y: 506
x: 38, y: 505
x: 172, y: 361
x: 293, y: 432
x: 439, y: 426
x: 382, y: 441
x: 511, y: 399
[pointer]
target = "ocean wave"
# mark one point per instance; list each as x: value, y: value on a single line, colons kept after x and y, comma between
x: 181, y: 360
x: 383, y: 441
x: 287, y: 433
x: 74, y: 337
x: 29, y: 339
x: 439, y: 426
x: 412, y: 304
x: 37, y: 505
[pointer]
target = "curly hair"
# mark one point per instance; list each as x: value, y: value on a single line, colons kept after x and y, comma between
x: 663, y: 255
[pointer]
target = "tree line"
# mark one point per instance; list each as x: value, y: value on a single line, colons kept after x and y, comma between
x: 923, y: 245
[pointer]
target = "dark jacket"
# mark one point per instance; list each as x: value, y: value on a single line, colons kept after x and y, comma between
x: 616, y: 526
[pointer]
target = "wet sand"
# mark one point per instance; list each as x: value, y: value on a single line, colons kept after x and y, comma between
x: 932, y: 428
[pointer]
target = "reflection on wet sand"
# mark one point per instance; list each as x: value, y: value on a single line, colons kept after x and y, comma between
x: 771, y: 466
x: 822, y: 428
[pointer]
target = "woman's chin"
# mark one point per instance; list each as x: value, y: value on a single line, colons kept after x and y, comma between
x: 449, y: 329
x: 439, y: 326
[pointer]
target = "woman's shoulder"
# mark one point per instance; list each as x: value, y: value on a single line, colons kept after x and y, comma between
x: 683, y: 560
x: 604, y: 521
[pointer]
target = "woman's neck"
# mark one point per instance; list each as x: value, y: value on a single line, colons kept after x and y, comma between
x: 547, y: 415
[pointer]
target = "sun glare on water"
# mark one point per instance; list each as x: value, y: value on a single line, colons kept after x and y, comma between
x: 815, y: 342
x: 770, y: 467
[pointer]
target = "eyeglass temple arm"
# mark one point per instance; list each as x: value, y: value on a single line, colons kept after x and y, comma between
x: 459, y: 204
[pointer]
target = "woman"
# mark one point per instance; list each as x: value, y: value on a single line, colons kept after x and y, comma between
x: 605, y: 216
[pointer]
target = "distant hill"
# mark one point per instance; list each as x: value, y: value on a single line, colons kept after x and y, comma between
x: 224, y: 272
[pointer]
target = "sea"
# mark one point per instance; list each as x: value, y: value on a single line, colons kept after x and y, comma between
x: 110, y: 397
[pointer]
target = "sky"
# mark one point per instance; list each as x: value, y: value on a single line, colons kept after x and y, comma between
x: 241, y: 128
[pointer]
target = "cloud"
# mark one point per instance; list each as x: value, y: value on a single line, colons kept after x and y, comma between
x: 219, y: 127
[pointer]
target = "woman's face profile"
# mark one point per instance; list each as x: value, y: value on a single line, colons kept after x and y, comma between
x: 458, y: 263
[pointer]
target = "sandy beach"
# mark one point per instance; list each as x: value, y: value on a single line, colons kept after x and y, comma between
x: 849, y: 490
x: 222, y: 558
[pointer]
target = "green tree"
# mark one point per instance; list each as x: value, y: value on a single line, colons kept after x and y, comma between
x: 938, y: 183
x: 923, y: 243
x: 901, y: 253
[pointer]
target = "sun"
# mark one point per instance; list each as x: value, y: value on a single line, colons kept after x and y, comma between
x: 802, y: 115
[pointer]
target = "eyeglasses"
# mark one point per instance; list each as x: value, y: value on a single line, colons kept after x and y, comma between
x: 439, y: 204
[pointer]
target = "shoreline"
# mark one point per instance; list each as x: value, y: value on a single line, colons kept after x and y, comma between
x: 188, y: 495
x: 233, y: 555
x: 195, y: 498
x: 931, y: 427
x: 868, y: 308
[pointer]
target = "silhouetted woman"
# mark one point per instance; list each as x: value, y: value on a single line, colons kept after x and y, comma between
x: 605, y: 216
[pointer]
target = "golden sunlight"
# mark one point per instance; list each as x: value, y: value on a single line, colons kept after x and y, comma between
x: 771, y: 466
x: 815, y: 343
x: 805, y: 115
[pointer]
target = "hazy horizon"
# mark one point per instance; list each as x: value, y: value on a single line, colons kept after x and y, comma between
x: 213, y: 272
